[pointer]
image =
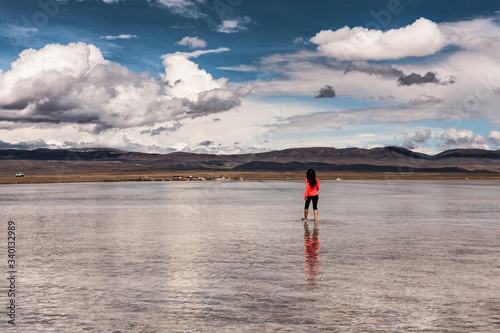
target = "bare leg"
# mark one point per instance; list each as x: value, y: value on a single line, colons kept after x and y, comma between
x: 315, y: 215
x: 305, y: 214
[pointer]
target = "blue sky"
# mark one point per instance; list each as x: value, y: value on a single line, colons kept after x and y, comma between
x: 238, y: 76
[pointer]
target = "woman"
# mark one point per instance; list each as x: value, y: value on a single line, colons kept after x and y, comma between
x: 312, y: 187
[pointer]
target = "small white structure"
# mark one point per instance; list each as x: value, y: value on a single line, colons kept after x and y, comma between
x: 19, y: 174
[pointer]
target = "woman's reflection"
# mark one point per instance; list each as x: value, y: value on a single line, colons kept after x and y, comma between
x: 312, y: 257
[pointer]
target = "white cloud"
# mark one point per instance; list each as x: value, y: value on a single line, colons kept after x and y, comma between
x: 197, y: 53
x: 185, y: 78
x: 461, y: 139
x: 471, y: 34
x: 421, y: 135
x: 192, y: 42
x: 494, y: 138
x: 122, y: 36
x: 186, y: 8
x: 240, y: 68
x: 465, y: 82
x: 300, y: 40
x: 418, y: 140
x: 408, y: 144
x: 74, y: 84
x: 468, y: 71
x: 17, y: 31
x: 421, y: 38
x: 424, y: 100
x: 87, y: 95
x: 234, y: 25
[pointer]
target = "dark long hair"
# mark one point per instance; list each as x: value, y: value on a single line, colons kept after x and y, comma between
x: 311, y: 177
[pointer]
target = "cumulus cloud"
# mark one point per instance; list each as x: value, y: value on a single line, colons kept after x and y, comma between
x: 461, y: 139
x: 192, y: 42
x: 185, y: 79
x: 421, y: 38
x: 494, y: 138
x: 408, y: 144
x: 421, y: 135
x: 122, y: 36
x: 234, y: 25
x: 75, y: 84
x: 326, y: 92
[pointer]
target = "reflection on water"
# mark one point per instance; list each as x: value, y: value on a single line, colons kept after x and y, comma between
x: 312, y: 266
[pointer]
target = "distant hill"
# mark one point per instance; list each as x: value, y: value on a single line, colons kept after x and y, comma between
x: 387, y: 159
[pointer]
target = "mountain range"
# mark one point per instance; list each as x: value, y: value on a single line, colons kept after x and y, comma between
x: 386, y: 159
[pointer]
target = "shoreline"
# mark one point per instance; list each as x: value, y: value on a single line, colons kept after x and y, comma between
x: 236, y: 176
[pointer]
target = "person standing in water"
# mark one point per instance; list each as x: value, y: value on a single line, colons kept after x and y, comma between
x: 312, y: 187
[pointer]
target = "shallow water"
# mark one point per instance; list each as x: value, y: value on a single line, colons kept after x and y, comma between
x: 396, y: 256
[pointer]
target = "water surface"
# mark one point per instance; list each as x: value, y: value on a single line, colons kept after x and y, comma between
x: 399, y: 256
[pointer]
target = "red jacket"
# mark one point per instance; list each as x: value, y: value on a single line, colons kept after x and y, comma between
x: 311, y: 191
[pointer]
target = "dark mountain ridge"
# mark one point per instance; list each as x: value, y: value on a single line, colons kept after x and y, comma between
x: 323, y: 158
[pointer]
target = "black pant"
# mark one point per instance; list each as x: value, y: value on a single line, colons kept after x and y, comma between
x: 314, y: 200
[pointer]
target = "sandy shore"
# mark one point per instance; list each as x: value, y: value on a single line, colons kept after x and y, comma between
x: 168, y: 176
